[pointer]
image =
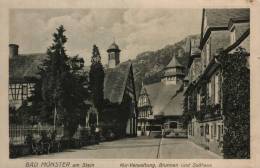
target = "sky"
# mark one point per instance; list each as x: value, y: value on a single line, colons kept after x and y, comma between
x: 134, y: 30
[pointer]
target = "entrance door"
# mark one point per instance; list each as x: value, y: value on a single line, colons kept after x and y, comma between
x: 173, y: 125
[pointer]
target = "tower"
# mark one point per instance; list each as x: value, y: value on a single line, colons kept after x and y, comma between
x: 173, y: 72
x: 113, y: 55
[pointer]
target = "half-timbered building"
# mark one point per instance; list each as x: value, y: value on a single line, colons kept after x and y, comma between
x: 23, y: 70
x: 162, y: 102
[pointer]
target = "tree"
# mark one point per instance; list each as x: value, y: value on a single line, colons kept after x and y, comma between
x: 96, y: 77
x: 60, y: 93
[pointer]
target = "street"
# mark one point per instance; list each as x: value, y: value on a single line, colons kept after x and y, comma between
x: 137, y: 148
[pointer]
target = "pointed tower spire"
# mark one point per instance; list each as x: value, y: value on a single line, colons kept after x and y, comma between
x: 173, y: 72
x: 174, y: 63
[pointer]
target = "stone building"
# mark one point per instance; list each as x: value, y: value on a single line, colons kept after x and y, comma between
x: 223, y: 30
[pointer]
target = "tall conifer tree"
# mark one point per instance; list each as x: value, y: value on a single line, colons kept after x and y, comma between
x: 96, y: 76
x: 62, y: 89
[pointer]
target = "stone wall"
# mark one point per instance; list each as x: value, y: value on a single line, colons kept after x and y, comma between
x: 203, y: 134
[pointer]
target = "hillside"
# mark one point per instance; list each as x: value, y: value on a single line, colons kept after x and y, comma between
x: 148, y: 65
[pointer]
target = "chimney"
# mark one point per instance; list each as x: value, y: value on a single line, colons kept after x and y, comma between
x: 13, y: 50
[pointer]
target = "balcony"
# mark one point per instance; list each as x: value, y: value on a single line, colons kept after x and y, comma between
x: 212, y: 112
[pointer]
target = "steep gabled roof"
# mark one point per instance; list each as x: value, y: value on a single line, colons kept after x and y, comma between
x: 115, y: 82
x: 221, y: 17
x: 166, y: 100
x: 175, y: 106
x: 25, y: 66
x: 218, y: 19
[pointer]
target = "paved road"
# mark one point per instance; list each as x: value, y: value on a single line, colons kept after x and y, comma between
x: 141, y: 147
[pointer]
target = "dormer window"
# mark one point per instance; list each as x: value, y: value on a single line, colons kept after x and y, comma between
x: 207, y: 52
x: 233, y: 36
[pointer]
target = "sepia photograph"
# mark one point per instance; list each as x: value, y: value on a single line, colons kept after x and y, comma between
x: 129, y: 83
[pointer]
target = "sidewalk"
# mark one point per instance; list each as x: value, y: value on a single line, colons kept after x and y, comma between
x: 184, y: 149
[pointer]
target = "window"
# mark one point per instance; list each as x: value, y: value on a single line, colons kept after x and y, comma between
x: 211, y: 131
x: 25, y: 90
x: 233, y: 36
x: 207, y: 129
x: 188, y: 102
x: 198, y: 101
x: 202, y: 130
x: 30, y: 90
x: 139, y: 128
x: 219, y: 132
x: 215, y: 130
x: 18, y: 91
x: 209, y: 89
x: 216, y: 89
x: 189, y: 129
x: 207, y: 52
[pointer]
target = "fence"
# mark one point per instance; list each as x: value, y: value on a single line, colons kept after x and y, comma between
x: 18, y: 133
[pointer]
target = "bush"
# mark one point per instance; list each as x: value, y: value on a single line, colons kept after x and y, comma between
x: 236, y: 105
